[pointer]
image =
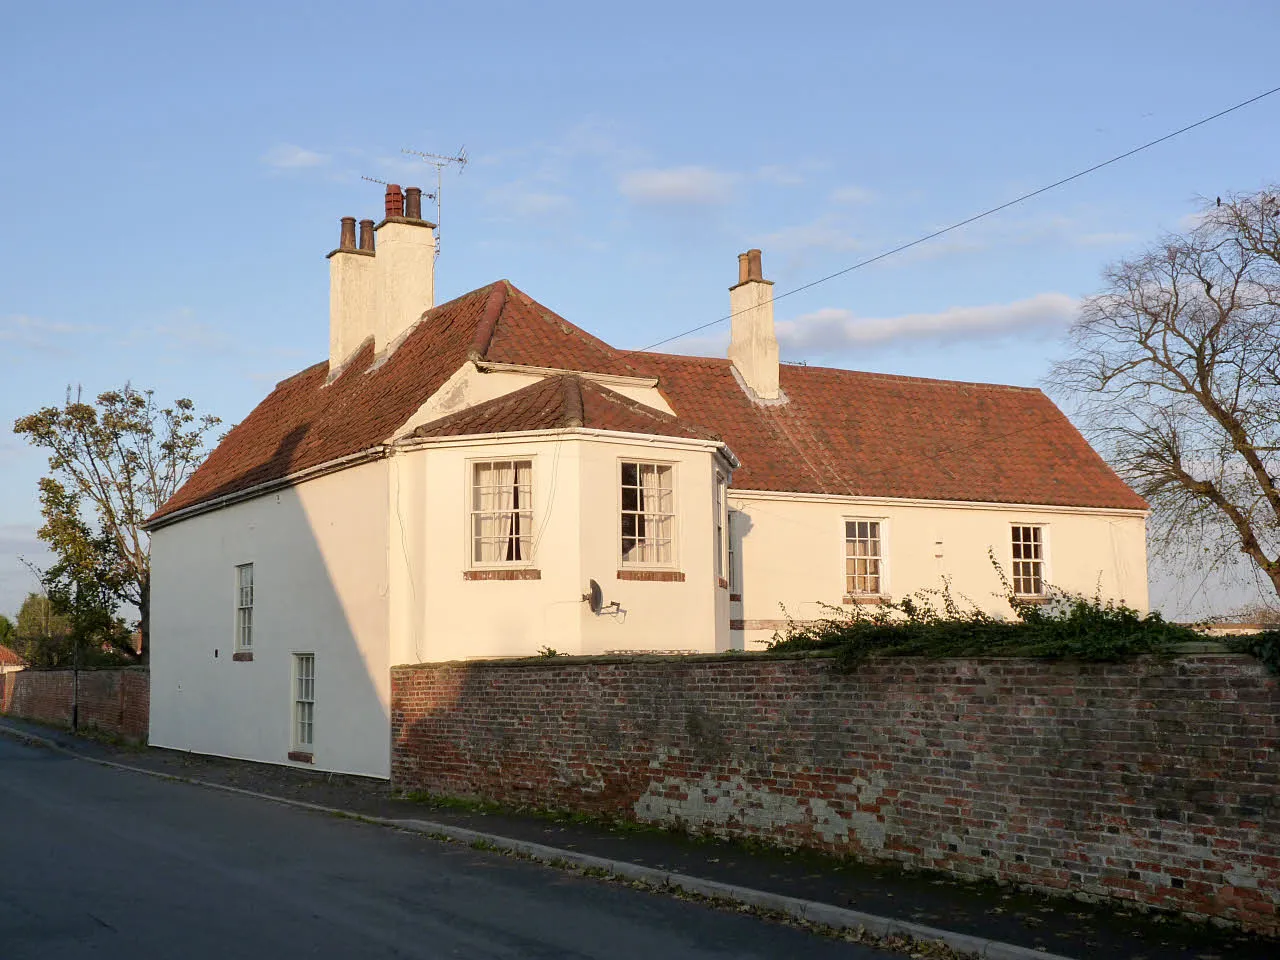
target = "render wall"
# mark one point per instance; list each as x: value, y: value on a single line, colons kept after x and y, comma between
x: 319, y: 552
x: 112, y: 701
x: 443, y: 608
x: 790, y: 552
x: 1154, y: 781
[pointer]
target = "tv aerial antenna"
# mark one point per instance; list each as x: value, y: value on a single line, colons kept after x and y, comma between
x: 439, y: 161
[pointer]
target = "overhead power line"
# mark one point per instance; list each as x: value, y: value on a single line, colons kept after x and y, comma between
x: 977, y: 216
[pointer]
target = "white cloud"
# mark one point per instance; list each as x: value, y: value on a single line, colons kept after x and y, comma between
x: 36, y: 333
x: 782, y: 176
x: 690, y: 185
x: 832, y: 330
x: 287, y: 156
x: 1192, y: 221
x: 524, y: 200
x: 822, y: 234
x: 852, y: 195
x: 1107, y: 238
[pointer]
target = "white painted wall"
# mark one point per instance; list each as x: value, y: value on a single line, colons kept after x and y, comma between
x: 471, y: 385
x: 438, y: 614
x: 790, y: 551
x: 319, y: 552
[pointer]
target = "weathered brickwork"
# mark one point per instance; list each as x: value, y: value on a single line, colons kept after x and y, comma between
x: 113, y: 701
x: 1156, y: 782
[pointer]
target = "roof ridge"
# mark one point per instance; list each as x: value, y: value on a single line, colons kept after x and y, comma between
x: 908, y: 378
x: 571, y: 396
x: 842, y: 371
x: 493, y: 307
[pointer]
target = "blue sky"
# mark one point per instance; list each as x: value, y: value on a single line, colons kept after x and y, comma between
x: 172, y: 177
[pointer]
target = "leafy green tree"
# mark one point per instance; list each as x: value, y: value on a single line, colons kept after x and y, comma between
x: 42, y: 633
x: 112, y: 463
x: 8, y: 633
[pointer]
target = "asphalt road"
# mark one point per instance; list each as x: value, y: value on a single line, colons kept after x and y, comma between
x: 104, y: 863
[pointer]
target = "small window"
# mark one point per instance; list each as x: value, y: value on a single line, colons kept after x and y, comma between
x: 648, y: 514
x: 502, y: 512
x: 304, y: 699
x: 722, y: 547
x: 863, y: 561
x: 1028, y: 561
x: 244, y: 607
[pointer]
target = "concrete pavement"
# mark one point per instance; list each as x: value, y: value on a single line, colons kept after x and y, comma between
x: 96, y: 862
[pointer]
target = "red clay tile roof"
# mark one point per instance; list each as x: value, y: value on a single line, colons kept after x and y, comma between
x: 840, y: 433
x: 10, y: 659
x: 556, y: 403
x: 305, y: 422
x: 876, y: 435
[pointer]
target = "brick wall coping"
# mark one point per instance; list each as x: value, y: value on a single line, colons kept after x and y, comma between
x: 129, y: 668
x: 1179, y: 650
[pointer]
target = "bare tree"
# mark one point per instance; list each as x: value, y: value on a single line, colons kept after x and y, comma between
x: 112, y: 464
x: 1177, y: 369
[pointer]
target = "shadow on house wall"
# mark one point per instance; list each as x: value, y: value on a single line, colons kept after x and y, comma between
x: 318, y: 556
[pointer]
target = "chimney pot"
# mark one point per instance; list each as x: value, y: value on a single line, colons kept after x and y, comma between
x: 754, y: 269
x: 366, y: 235
x: 347, y: 241
x: 413, y: 203
x: 394, y: 200
x: 742, y: 268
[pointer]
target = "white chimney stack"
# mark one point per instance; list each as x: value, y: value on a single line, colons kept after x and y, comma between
x: 380, y: 288
x: 753, y: 347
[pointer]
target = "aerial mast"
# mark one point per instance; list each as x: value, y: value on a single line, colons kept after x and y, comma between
x: 439, y: 161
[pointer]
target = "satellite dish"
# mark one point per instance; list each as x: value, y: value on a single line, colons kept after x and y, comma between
x: 594, y: 597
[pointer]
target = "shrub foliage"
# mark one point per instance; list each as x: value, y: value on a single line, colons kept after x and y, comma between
x: 1265, y: 646
x: 937, y: 623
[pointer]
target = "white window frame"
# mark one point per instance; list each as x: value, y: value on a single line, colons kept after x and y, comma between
x: 472, y: 513
x: 882, y: 527
x: 720, y: 505
x: 243, y: 610
x: 674, y: 560
x: 303, y: 701
x: 1042, y: 560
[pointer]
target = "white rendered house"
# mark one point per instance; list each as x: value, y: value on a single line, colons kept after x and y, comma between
x: 454, y: 480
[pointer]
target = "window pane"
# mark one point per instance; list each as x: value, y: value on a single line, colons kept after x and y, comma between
x: 862, y: 557
x: 501, y: 511
x: 304, y: 691
x: 1028, y: 560
x: 648, y: 508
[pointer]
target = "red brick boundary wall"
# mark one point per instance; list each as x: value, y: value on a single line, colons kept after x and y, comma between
x: 1155, y: 781
x: 113, y: 701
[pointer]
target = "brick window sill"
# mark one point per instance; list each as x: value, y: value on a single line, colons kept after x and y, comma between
x: 863, y: 600
x: 242, y: 656
x: 522, y: 573
x: 722, y: 583
x: 652, y: 576
x: 301, y: 756
x: 735, y: 598
x: 1035, y: 601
